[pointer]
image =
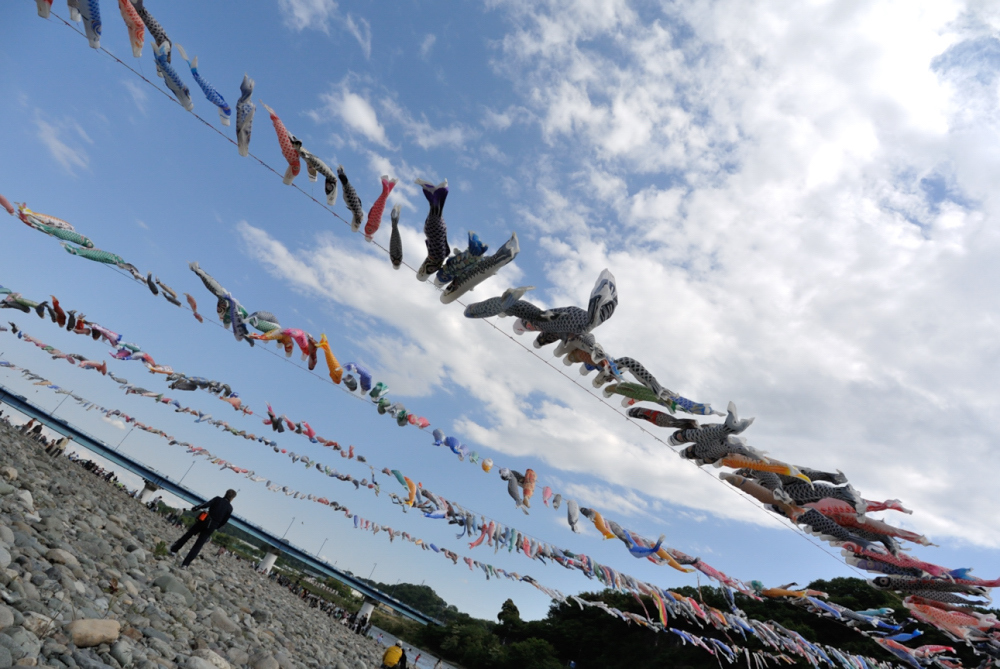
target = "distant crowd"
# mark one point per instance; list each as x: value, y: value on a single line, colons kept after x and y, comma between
x: 353, y: 621
x: 53, y: 446
x: 95, y: 469
x: 33, y: 430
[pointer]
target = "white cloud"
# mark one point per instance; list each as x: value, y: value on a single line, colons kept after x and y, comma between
x: 58, y: 138
x: 358, y: 114
x: 137, y: 93
x: 606, y: 500
x: 355, y: 111
x: 115, y: 422
x: 798, y: 206
x: 362, y: 32
x: 421, y: 347
x: 302, y: 14
x: 493, y: 152
x: 406, y: 192
x: 502, y: 120
x: 319, y: 14
x: 794, y: 202
x: 427, y: 45
x: 423, y: 133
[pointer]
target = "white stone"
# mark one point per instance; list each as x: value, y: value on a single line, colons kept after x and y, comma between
x: 93, y: 632
x: 26, y: 498
x: 37, y: 624
x: 195, y: 662
x: 213, y: 657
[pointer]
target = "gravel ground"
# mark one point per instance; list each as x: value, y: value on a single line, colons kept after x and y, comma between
x: 82, y: 588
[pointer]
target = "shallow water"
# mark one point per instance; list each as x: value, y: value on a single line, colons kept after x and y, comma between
x: 427, y: 659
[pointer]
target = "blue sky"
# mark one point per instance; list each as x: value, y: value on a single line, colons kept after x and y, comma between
x: 797, y: 204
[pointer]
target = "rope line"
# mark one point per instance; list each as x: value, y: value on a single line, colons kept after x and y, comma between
x: 782, y: 522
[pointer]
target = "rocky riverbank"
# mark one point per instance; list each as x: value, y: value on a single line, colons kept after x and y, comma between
x: 81, y: 586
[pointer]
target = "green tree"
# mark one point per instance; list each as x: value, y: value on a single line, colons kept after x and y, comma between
x: 473, y: 646
x: 421, y: 597
x: 594, y: 639
x: 509, y: 615
x: 530, y: 654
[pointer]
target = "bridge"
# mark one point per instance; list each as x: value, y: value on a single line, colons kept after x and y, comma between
x: 160, y: 480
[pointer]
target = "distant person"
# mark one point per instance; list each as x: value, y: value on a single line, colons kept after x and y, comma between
x: 392, y: 656
x: 36, y: 432
x: 379, y: 639
x: 27, y: 426
x: 58, y: 448
x: 215, y: 516
x: 439, y: 664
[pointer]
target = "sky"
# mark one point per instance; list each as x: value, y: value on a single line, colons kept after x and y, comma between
x: 796, y: 201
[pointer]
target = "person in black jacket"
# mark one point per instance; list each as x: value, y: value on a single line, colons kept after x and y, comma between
x: 216, y: 514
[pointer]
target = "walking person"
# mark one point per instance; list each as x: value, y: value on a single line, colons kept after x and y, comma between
x: 216, y: 514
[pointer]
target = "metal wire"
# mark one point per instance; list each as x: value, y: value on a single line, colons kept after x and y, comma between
x: 784, y: 523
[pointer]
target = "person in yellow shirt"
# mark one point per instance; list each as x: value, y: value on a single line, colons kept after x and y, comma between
x: 390, y: 658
